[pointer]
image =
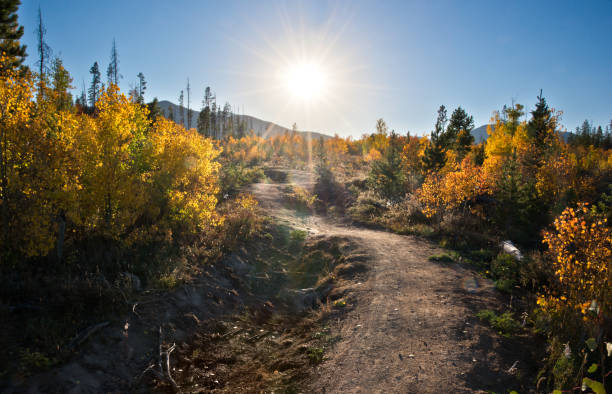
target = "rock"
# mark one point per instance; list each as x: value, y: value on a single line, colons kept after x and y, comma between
x: 300, y: 300
x: 509, y: 248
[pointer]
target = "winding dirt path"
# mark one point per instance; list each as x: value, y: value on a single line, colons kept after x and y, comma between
x: 411, y: 326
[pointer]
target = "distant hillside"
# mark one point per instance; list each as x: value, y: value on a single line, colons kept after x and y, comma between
x: 260, y: 127
x: 480, y: 134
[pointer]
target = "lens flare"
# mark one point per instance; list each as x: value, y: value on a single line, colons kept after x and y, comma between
x: 306, y: 81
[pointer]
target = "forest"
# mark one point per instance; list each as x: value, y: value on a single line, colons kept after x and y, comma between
x: 104, y: 196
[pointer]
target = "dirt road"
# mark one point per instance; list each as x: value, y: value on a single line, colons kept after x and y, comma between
x: 411, y: 326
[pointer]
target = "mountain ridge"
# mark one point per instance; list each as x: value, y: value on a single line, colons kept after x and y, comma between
x: 263, y: 128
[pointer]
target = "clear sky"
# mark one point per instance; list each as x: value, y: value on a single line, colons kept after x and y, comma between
x: 398, y: 60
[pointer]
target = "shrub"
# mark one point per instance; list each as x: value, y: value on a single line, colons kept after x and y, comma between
x: 505, y: 267
x: 368, y: 207
x: 234, y: 176
x: 299, y: 198
x: 580, y: 251
x: 505, y: 323
x: 242, y: 220
x: 387, y: 177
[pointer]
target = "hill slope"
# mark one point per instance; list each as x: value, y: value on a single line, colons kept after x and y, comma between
x: 260, y: 127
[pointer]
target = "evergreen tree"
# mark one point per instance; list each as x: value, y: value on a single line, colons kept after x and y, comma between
x: 541, y: 124
x: 44, y: 53
x: 512, y: 116
x: 171, y: 114
x: 458, y: 132
x: 94, y: 88
x: 241, y: 129
x: 112, y: 72
x: 189, y: 114
x: 598, y: 137
x: 10, y: 33
x: 204, y: 122
x: 142, y: 86
x: 154, y: 110
x: 182, y: 108
x: 61, y: 83
x: 434, y: 156
x: 227, y: 119
x: 81, y: 100
x: 214, y: 120
x: 204, y: 116
x: 387, y: 177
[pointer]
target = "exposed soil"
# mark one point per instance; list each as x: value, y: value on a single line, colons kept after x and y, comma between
x: 412, y: 327
x: 401, y: 323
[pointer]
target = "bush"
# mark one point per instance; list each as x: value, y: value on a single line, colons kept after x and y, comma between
x: 234, y: 176
x: 505, y: 324
x: 505, y: 267
x: 242, y: 221
x: 580, y: 251
x: 387, y: 177
x: 368, y: 208
x: 298, y: 198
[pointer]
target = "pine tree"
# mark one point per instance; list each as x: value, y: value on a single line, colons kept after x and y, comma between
x: 61, y: 83
x: 10, y: 33
x: 154, y: 110
x: 387, y: 177
x: 214, y: 120
x: 204, y: 116
x: 81, y: 100
x: 94, y: 88
x: 189, y: 115
x: 142, y: 86
x: 44, y: 53
x: 458, y: 132
x: 541, y: 124
x: 182, y: 108
x: 435, y: 153
x: 112, y: 72
x: 227, y: 119
x: 512, y: 116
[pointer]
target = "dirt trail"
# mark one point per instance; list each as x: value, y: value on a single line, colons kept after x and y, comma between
x: 411, y: 326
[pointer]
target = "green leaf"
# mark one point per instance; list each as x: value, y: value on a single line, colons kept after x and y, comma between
x: 593, y: 368
x: 557, y: 392
x: 513, y: 392
x: 591, y: 344
x: 594, y: 385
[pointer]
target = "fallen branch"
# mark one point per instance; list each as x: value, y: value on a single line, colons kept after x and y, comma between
x: 163, y: 359
x: 231, y: 333
x: 83, y: 335
x: 172, y: 382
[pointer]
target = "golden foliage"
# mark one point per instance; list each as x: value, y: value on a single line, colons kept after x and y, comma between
x: 580, y: 251
x: 443, y: 193
x: 105, y: 174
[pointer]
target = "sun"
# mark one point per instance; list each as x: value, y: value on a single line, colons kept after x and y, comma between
x: 306, y: 81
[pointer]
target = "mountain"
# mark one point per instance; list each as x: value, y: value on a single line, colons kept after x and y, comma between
x: 480, y: 134
x: 260, y: 127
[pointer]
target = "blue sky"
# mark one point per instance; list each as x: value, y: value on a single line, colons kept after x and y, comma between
x: 398, y: 60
